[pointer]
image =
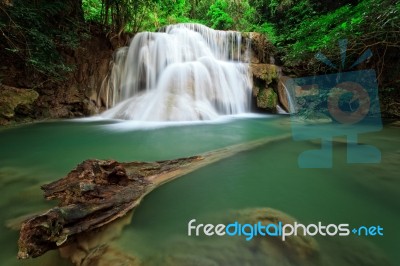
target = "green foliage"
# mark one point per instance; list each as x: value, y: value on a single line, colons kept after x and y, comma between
x: 167, y: 12
x: 370, y: 23
x: 28, y: 32
x: 120, y: 15
x: 219, y: 16
x: 232, y: 15
x: 269, y: 30
x: 35, y: 30
x: 317, y: 33
x: 150, y: 15
x: 243, y: 15
x: 92, y: 10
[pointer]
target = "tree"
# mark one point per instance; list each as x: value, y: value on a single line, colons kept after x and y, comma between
x: 28, y: 33
x: 219, y: 16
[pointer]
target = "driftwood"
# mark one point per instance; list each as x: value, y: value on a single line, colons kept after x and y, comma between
x: 98, y: 192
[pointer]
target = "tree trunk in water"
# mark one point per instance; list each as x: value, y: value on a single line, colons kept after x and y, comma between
x: 98, y: 192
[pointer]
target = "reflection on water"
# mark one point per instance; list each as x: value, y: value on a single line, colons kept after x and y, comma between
x: 265, y: 177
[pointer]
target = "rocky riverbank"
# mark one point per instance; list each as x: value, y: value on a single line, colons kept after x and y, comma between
x: 26, y: 98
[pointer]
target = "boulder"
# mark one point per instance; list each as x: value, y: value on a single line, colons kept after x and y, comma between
x: 265, y: 78
x: 267, y: 99
x: 300, y: 249
x: 262, y: 50
x: 283, y: 93
x: 12, y: 98
x: 265, y: 72
x: 261, y: 250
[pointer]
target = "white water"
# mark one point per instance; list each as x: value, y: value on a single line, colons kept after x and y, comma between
x: 291, y: 98
x: 189, y: 72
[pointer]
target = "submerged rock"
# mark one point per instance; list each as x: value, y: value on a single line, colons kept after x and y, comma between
x: 351, y: 252
x: 188, y: 260
x: 96, y: 249
x: 297, y: 250
x: 382, y: 179
x: 312, y: 118
x: 300, y: 249
x: 98, y: 192
x: 395, y: 124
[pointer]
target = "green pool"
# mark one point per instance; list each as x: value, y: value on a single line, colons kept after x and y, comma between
x: 358, y: 194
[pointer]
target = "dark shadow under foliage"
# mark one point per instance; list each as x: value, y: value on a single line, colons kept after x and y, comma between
x: 32, y: 33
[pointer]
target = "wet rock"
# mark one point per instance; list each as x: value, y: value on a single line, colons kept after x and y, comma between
x: 297, y: 250
x: 352, y: 251
x: 13, y: 100
x: 283, y: 94
x: 313, y: 118
x: 184, y: 252
x: 265, y: 72
x: 300, y: 249
x: 96, y: 248
x: 262, y: 50
x: 267, y: 99
x: 73, y: 96
x: 90, y: 108
x: 265, y: 77
x: 188, y: 260
x: 98, y: 192
x: 261, y: 250
x: 395, y: 124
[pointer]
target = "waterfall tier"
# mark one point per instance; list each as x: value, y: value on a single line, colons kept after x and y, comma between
x: 186, y: 72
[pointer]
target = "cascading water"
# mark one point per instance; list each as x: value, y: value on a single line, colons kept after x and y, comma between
x: 187, y: 72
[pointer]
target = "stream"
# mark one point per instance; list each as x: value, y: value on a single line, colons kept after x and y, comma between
x: 268, y: 176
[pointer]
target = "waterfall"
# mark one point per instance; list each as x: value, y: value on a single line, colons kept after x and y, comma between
x: 290, y: 97
x: 185, y: 72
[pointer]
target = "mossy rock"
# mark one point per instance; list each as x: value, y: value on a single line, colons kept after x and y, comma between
x: 264, y: 72
x: 262, y: 48
x: 299, y: 249
x: 11, y: 98
x: 267, y: 99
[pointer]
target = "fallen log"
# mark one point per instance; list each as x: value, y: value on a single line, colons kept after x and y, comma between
x: 98, y: 192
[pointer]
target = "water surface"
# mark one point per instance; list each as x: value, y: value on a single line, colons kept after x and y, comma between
x: 361, y: 194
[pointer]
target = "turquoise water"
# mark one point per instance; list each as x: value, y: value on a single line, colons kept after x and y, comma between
x: 264, y: 177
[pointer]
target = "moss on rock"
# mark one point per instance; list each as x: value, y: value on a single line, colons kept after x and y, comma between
x: 267, y: 99
x: 11, y: 98
x: 265, y: 72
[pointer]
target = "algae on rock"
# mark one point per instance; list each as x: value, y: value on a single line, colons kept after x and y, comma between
x: 13, y: 98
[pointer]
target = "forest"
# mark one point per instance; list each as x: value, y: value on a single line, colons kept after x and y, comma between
x: 129, y: 128
x: 35, y: 31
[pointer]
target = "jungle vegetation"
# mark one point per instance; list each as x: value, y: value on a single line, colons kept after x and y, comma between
x: 34, y: 31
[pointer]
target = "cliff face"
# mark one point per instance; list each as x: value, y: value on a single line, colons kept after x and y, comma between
x: 78, y: 95
x: 40, y: 41
x: 74, y: 96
